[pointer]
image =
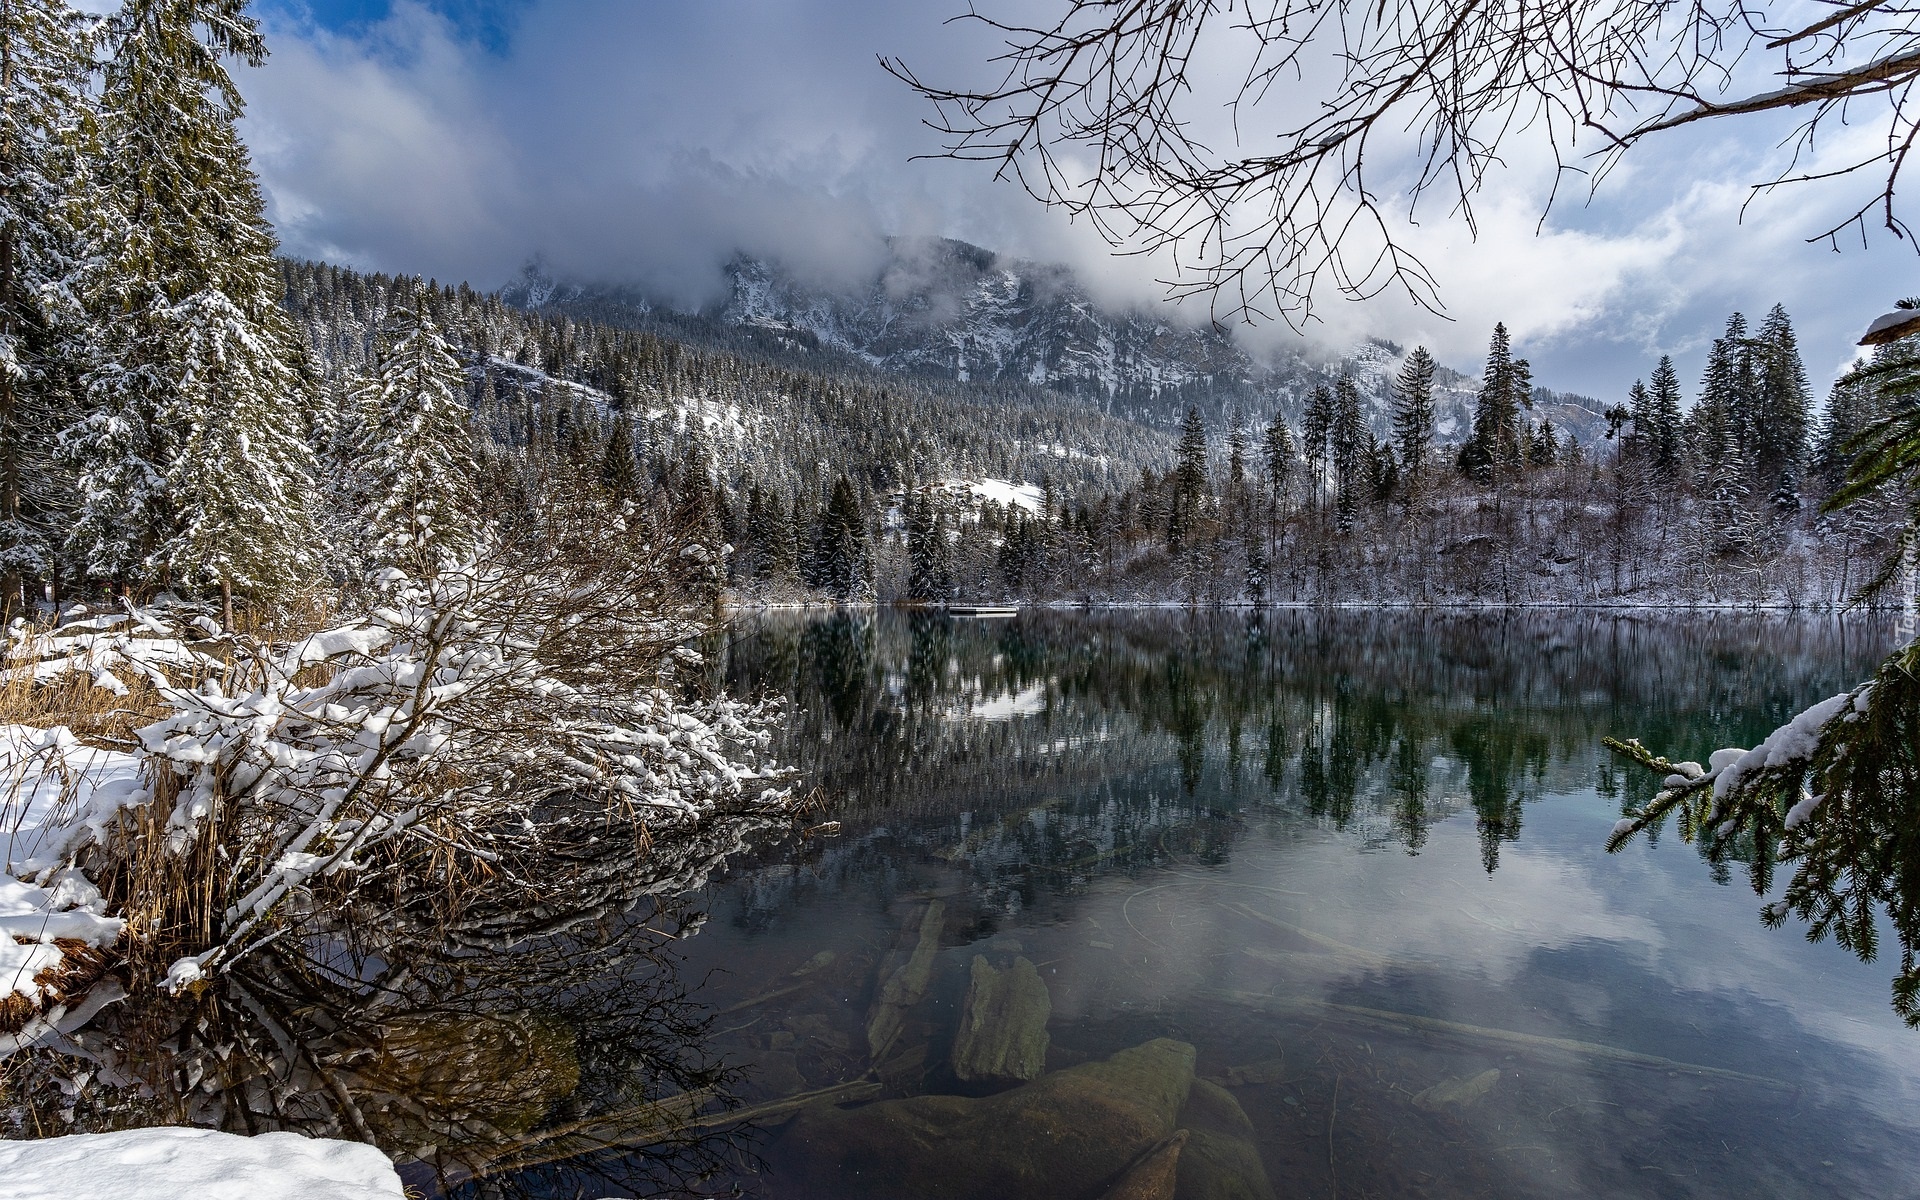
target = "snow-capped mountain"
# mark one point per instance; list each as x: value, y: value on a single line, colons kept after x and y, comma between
x: 944, y: 308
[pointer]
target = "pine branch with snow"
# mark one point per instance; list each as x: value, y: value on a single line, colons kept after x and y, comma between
x: 1835, y: 794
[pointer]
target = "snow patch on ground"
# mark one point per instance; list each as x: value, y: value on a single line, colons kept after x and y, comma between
x: 170, y: 1163
x: 1000, y: 491
x: 58, y: 794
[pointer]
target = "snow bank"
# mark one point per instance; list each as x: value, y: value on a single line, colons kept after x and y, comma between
x: 57, y: 794
x: 166, y: 1164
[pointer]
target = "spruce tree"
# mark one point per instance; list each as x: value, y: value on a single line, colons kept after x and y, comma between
x: 1316, y: 426
x: 241, y: 484
x: 46, y: 221
x: 1279, y: 453
x: 929, y: 554
x: 1413, y: 416
x: 1722, y: 435
x: 1780, y: 426
x: 1664, y: 411
x: 842, y: 560
x: 1492, y: 453
x: 198, y: 356
x: 1638, y: 411
x: 414, y: 455
x: 1190, y: 480
x: 1351, y: 443
x: 619, y: 466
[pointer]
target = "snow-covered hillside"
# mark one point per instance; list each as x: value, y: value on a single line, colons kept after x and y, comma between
x: 951, y: 310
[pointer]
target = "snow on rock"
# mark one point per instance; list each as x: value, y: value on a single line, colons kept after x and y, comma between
x: 169, y: 1163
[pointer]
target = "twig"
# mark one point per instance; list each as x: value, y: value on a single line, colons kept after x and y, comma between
x: 1333, y: 1175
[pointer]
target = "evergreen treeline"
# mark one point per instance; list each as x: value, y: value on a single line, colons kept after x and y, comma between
x: 1714, y: 503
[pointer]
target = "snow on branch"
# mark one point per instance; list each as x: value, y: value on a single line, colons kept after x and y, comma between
x: 509, y: 740
x: 1835, y: 793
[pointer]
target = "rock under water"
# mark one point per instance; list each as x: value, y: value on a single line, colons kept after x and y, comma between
x: 1003, y: 1025
x: 1100, y: 1129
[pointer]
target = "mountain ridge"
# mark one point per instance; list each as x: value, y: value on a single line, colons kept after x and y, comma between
x: 948, y: 309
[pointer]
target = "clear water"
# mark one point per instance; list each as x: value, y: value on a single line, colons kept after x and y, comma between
x: 1356, y: 861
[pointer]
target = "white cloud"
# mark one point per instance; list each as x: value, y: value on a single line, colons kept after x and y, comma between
x: 646, y: 143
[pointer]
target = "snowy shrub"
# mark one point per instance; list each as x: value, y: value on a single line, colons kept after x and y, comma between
x: 495, y: 752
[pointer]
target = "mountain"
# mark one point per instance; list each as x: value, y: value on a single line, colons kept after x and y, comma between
x: 946, y: 309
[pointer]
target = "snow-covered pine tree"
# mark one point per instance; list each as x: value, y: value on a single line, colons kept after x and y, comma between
x: 1544, y: 448
x: 1723, y: 436
x: 188, y: 275
x: 413, y: 458
x: 619, y: 466
x: 1189, y: 481
x: 929, y: 551
x: 1780, y: 428
x: 1280, y: 456
x: 1316, y: 424
x: 1413, y: 422
x: 1237, y: 443
x: 1492, y: 453
x: 241, y: 484
x: 1665, y: 424
x: 842, y: 555
x: 1639, y: 411
x: 1351, y: 443
x: 47, y: 206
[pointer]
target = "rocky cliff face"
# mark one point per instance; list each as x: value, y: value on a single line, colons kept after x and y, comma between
x: 948, y: 309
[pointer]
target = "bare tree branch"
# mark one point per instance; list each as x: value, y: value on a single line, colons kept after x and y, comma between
x: 1369, y: 106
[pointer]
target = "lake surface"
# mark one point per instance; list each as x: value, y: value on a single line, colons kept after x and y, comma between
x: 1354, y: 861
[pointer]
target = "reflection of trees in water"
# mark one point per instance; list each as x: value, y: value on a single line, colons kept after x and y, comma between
x: 493, y: 1050
x: 1378, y: 723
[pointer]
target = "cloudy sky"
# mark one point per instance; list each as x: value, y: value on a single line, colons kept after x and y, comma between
x: 644, y: 141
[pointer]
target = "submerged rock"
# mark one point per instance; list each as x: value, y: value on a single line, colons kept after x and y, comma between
x: 1457, y: 1092
x: 1003, y: 1025
x: 1221, y: 1160
x: 903, y: 988
x: 1153, y: 1177
x: 1071, y: 1133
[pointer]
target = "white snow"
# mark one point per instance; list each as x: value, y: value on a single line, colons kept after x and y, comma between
x: 56, y: 794
x: 172, y: 1163
x: 1801, y: 811
x: 1000, y: 491
x: 1892, y: 326
x: 1797, y: 739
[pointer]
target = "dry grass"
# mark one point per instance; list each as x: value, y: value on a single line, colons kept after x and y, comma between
x: 100, y: 716
x: 93, y: 713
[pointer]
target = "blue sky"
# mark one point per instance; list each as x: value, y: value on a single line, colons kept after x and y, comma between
x: 488, y: 25
x: 644, y: 141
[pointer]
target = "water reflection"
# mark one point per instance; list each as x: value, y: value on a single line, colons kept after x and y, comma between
x: 1355, y: 861
x: 1332, y: 887
x: 535, y: 1050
